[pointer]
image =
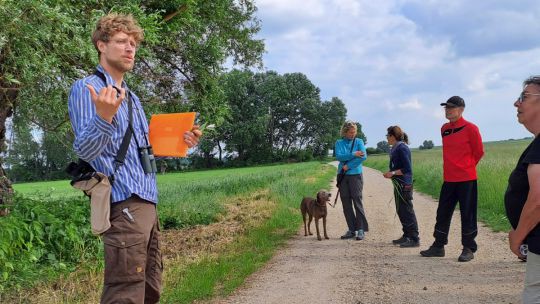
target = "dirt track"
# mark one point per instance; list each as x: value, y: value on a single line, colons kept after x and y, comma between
x: 375, y: 271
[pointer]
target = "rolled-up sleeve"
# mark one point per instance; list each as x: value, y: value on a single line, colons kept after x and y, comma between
x: 92, y: 133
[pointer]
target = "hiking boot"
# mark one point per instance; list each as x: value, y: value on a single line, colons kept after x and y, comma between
x: 348, y: 235
x: 433, y: 252
x: 400, y: 240
x: 410, y: 243
x: 360, y: 235
x: 466, y: 255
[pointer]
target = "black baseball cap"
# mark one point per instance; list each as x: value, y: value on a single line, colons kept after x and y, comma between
x: 454, y: 101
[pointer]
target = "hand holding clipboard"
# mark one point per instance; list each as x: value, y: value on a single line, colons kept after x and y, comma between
x: 173, y: 134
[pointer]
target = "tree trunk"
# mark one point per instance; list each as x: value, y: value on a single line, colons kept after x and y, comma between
x: 7, y: 95
x: 220, y: 152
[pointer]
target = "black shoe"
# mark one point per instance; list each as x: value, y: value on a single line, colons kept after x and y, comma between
x: 410, y: 243
x: 400, y: 240
x: 348, y: 235
x: 433, y: 252
x: 466, y: 255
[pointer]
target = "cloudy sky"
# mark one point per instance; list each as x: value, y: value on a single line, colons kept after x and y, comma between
x: 395, y: 61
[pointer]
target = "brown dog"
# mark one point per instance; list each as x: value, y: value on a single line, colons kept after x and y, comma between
x: 315, y: 208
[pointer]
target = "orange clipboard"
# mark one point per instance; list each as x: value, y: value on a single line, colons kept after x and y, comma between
x: 166, y: 132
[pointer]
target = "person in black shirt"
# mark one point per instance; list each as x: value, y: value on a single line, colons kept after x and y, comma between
x: 522, y: 197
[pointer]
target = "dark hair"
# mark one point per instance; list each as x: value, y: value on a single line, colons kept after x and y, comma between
x: 532, y: 80
x: 398, y: 134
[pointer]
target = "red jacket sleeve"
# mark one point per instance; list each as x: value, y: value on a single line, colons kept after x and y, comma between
x: 476, y: 144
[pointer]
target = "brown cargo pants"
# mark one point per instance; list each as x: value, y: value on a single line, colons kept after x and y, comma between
x: 133, y: 264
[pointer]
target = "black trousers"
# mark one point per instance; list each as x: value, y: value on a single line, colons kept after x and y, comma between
x: 405, y: 212
x: 466, y: 193
x: 350, y: 190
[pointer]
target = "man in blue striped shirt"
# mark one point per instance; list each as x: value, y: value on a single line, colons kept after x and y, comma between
x: 99, y: 116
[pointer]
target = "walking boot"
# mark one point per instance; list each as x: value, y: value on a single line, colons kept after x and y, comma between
x: 399, y: 241
x: 360, y: 235
x: 433, y: 252
x: 466, y: 255
x: 410, y: 243
x: 348, y: 235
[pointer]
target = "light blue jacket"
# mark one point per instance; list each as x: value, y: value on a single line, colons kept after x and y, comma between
x: 345, y: 156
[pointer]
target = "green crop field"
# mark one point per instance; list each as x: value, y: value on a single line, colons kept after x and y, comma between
x: 46, y: 242
x: 499, y: 160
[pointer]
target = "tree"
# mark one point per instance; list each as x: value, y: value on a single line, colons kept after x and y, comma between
x: 244, y: 131
x: 278, y: 116
x: 330, y: 118
x: 360, y: 134
x: 428, y: 144
x: 371, y: 151
x: 383, y: 147
x: 45, y: 45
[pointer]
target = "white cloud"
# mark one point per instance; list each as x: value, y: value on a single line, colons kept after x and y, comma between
x: 412, y: 104
x: 385, y: 59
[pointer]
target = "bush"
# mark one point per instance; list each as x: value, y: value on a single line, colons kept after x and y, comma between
x: 40, y: 236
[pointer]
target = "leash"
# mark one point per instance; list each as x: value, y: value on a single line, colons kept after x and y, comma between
x: 335, y: 201
x: 329, y: 203
x: 342, y: 174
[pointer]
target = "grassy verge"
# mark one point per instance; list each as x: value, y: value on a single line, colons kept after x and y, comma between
x: 499, y: 160
x: 231, y: 223
x: 218, y: 274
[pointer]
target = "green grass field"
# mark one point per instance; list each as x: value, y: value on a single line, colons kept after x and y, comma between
x: 499, y: 160
x: 202, y: 198
x: 185, y: 200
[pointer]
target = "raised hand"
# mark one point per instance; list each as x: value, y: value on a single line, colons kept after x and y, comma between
x: 106, y: 102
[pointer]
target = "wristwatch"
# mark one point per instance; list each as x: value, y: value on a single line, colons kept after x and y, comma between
x: 393, y: 173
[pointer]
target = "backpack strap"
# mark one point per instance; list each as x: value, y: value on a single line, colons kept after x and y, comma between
x: 121, y: 154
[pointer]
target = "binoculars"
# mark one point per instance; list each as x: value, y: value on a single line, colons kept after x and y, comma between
x: 148, y: 161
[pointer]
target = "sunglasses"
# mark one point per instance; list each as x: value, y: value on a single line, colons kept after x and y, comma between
x: 521, y: 97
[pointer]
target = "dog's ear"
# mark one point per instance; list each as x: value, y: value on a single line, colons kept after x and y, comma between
x: 319, y: 197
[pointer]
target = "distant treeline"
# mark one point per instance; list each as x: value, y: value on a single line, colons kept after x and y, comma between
x: 268, y: 118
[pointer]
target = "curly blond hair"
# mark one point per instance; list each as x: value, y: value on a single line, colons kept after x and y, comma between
x: 348, y: 125
x: 113, y: 23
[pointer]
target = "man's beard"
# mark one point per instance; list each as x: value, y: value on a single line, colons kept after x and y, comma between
x: 120, y: 66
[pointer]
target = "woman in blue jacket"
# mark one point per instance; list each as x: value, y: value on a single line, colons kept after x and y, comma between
x: 351, y: 152
x: 401, y: 175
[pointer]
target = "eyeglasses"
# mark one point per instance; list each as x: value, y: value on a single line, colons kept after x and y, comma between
x: 125, y: 43
x: 388, y: 135
x: 521, y: 97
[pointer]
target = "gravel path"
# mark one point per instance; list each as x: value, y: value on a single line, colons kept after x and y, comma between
x: 375, y: 271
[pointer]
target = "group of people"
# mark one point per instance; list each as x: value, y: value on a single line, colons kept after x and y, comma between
x: 462, y: 150
x: 133, y: 266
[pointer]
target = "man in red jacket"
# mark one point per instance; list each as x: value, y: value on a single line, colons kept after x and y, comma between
x: 462, y: 150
